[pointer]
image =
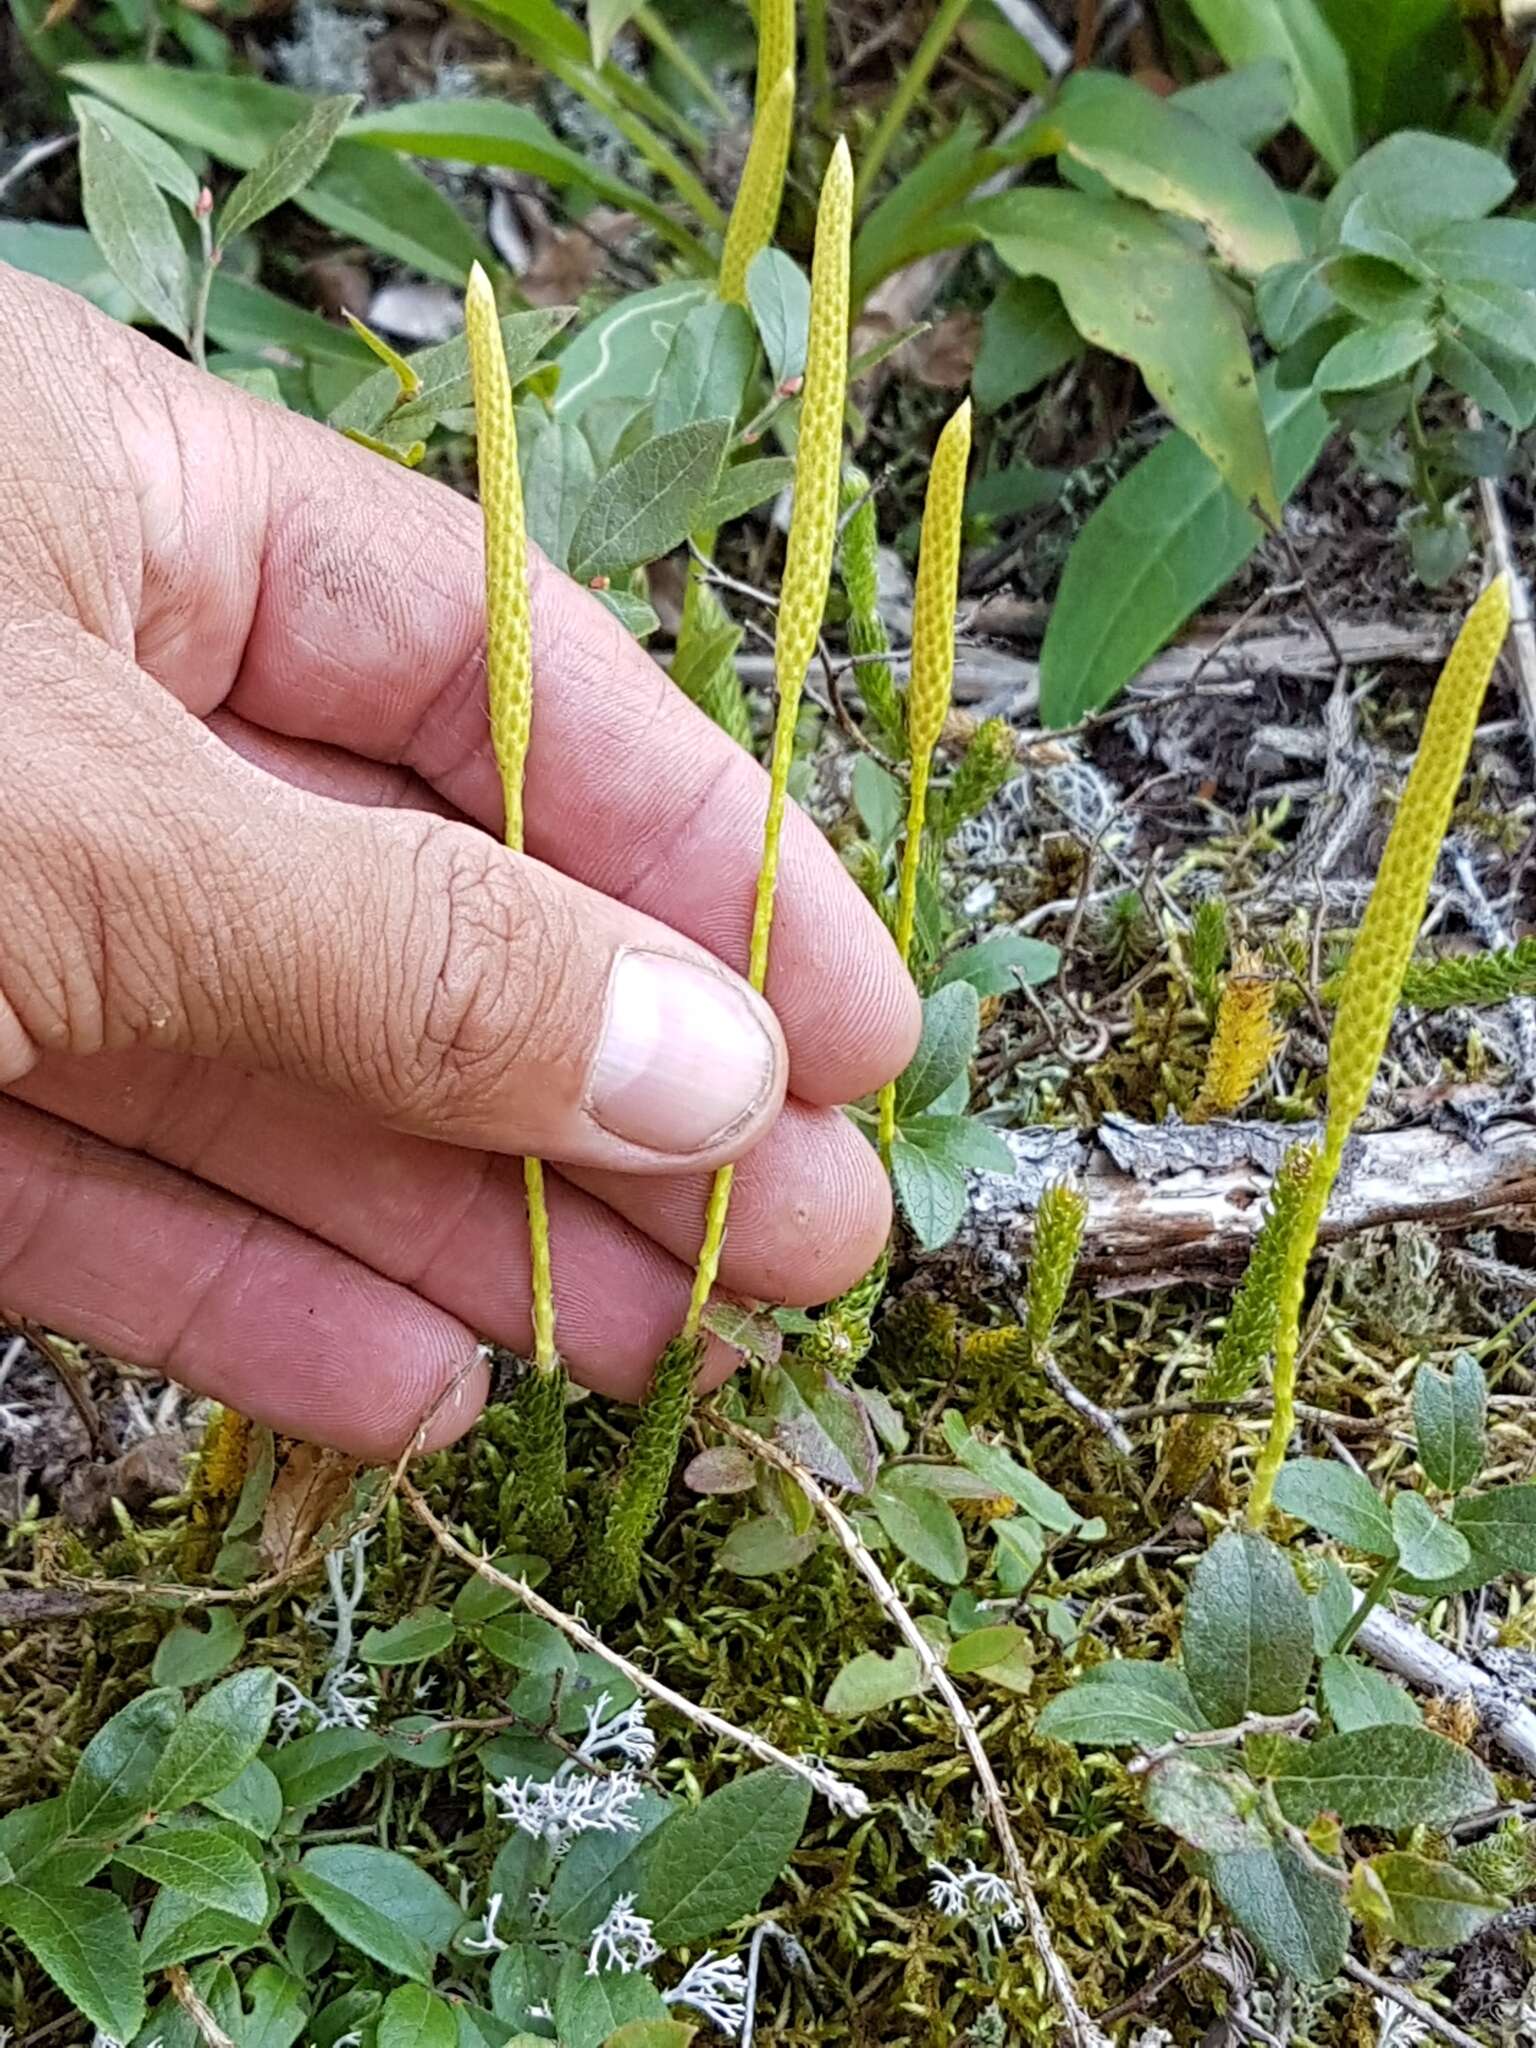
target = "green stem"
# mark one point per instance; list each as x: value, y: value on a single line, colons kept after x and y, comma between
x: 1423, y: 473
x: 817, y: 69
x: 198, y: 339
x: 908, y: 91
x: 1508, y: 118
x: 1375, y: 1593
x: 682, y: 60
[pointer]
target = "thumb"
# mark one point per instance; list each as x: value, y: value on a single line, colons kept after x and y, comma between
x: 158, y: 890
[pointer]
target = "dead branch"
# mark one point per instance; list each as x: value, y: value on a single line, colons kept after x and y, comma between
x: 1177, y: 1202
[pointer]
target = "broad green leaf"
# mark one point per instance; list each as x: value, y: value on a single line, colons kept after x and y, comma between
x: 131, y: 224
x: 1134, y: 286
x: 763, y: 1546
x: 558, y: 479
x: 1213, y: 1810
x: 633, y: 613
x: 69, y: 257
x: 650, y: 502
x: 604, y: 20
x: 901, y: 226
x: 998, y: 966
x: 619, y: 354
x: 1124, y: 1703
x: 1501, y: 1524
x: 743, y: 486
x: 651, y: 2034
x: 1020, y: 1551
x: 1167, y: 537
x: 1297, y: 32
x: 1450, y: 1420
x: 526, y: 1642
x: 1250, y: 105
x: 779, y: 295
x: 110, y: 1786
x: 374, y: 1900
x: 1434, y: 1905
x: 714, y: 1864
x: 360, y: 192
x: 707, y: 367
x: 1376, y: 291
x: 960, y: 1143
x: 589, y: 2008
x: 244, y: 317
x: 426, y: 1633
x: 513, y: 138
x: 1297, y: 1918
x: 1358, y: 1697
x: 598, y: 1868
x: 879, y: 800
x: 1499, y: 251
x: 177, y: 1928
x: 414, y: 2017
x: 824, y: 1424
x: 1247, y: 1633
x: 1406, y: 59
x: 1374, y: 355
x: 442, y: 371
x: 166, y: 166
x: 288, y: 166
x: 1152, y: 150
x: 477, y: 1599
x: 1487, y: 311
x: 1292, y: 299
x: 254, y: 1799
x: 1001, y: 1653
x: 1006, y: 1475
x: 923, y: 1527
x: 933, y: 1195
x: 189, y: 1656
x: 951, y: 1026
x: 1339, y: 1502
x: 1417, y: 183
x: 277, y: 2008
x: 84, y: 1940
x: 1393, y: 1776
x: 1427, y: 1548
x: 216, y: 1741
x: 207, y: 1863
x: 315, y: 1768
x: 869, y: 1682
x: 521, y: 1978
x: 1025, y: 338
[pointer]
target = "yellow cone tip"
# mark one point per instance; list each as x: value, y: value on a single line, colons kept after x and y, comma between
x: 841, y: 164
x: 479, y: 286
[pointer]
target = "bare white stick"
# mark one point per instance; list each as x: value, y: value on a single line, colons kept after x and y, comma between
x: 1084, y: 2033
x: 846, y: 1798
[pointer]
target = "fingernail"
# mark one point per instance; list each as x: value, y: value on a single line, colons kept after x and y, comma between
x: 687, y: 1056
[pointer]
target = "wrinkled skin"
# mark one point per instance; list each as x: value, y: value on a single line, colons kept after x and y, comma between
x: 277, y: 1010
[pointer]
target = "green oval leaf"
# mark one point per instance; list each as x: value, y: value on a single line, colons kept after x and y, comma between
x: 315, y: 1768
x: 131, y: 224
x: 1296, y: 1917
x: 189, y: 1656
x: 216, y: 1741
x: 1297, y: 32
x: 650, y: 502
x: 207, y: 1863
x: 869, y: 1682
x: 110, y: 1786
x: 414, y: 2017
x: 1434, y: 1905
x: 84, y: 1940
x: 922, y: 1525
x: 1340, y: 1503
x: 713, y: 1865
x: 1385, y: 1777
x: 1450, y: 1420
x: 427, y: 1633
x: 1427, y: 1548
x: 1128, y: 1701
x: 288, y: 166
x: 1247, y: 1634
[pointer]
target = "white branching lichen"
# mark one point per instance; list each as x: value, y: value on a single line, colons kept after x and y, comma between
x: 626, y: 1940
x: 716, y: 1987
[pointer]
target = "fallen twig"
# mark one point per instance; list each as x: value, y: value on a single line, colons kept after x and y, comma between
x: 1400, y: 1647
x: 846, y: 1798
x: 1399, y: 1995
x: 1082, y: 2029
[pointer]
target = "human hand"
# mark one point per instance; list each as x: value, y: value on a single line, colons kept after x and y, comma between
x: 275, y: 1005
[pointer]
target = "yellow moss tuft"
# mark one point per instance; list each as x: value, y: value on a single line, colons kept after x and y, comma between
x: 1244, y: 1042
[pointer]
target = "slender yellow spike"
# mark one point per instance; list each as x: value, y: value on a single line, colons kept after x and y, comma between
x: 755, y: 215
x: 1373, y: 978
x: 509, y: 667
x: 803, y: 592
x: 933, y: 673
x: 775, y: 47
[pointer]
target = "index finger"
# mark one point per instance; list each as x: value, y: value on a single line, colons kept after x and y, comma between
x: 349, y: 592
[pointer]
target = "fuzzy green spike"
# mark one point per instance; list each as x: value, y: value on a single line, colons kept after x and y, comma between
x: 918, y: 1338
x: 1373, y: 979
x: 1194, y: 1442
x: 989, y: 761
x: 1059, y: 1221
x: 996, y: 1358
x: 1208, y: 948
x: 532, y: 1504
x: 641, y: 1486
x: 858, y: 559
x: 844, y: 1329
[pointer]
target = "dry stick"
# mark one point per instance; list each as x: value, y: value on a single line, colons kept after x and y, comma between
x: 845, y: 1798
x: 1083, y: 2030
x: 1402, y: 1648
x: 1435, y: 2021
x: 186, y: 1995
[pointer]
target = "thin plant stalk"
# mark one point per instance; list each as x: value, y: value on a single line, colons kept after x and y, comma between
x: 1374, y: 977
x: 909, y: 89
x: 932, y: 677
x: 509, y: 684
x: 803, y: 596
